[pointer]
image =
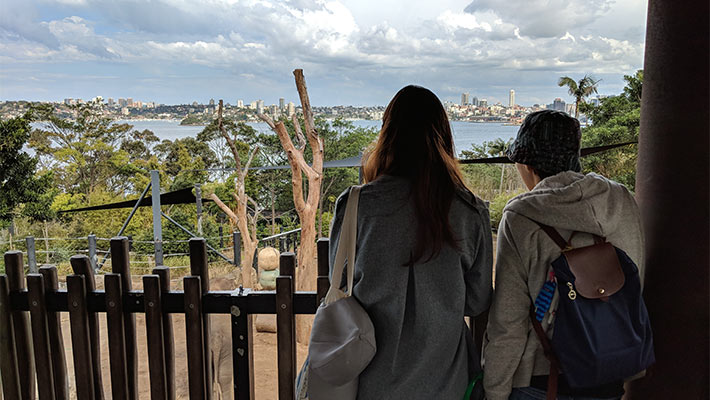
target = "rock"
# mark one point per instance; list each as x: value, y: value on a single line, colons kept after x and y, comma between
x: 268, y: 259
x: 267, y: 279
x: 265, y: 323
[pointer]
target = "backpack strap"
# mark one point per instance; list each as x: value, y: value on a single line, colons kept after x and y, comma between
x: 554, y: 235
x: 552, y: 379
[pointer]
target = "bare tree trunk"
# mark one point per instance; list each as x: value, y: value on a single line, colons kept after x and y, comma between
x: 306, y: 203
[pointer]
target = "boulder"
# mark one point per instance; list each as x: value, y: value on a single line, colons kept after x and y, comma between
x: 268, y: 259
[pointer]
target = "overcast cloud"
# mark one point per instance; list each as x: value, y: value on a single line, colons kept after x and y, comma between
x: 352, y: 51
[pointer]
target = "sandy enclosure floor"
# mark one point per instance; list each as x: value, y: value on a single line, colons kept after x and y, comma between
x: 265, y: 362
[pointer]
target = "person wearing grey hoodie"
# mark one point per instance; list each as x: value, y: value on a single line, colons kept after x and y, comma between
x: 546, y: 153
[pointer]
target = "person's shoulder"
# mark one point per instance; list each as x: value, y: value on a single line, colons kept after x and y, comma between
x: 471, y: 201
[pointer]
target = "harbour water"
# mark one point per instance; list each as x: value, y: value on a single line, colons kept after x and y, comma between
x: 465, y: 133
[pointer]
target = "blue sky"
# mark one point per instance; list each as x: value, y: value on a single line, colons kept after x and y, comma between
x: 353, y: 52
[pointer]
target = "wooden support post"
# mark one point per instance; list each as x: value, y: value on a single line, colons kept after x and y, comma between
x: 168, y: 337
x: 286, y: 327
x: 56, y: 338
x: 237, y: 247
x: 15, y: 270
x: 242, y: 349
x: 194, y: 338
x: 154, y: 336
x: 92, y: 252
x: 199, y: 267
x: 120, y: 264
x: 80, y: 338
x: 8, y: 350
x: 116, y: 336
x: 40, y: 337
x: 323, y: 283
x: 82, y: 266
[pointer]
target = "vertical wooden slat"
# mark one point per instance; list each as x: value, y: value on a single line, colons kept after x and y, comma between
x: 8, y: 350
x: 323, y: 283
x: 40, y: 337
x: 116, y: 336
x: 168, y: 337
x: 120, y: 264
x: 14, y: 268
x: 81, y: 342
x: 285, y: 327
x: 56, y: 338
x: 194, y: 338
x: 242, y: 351
x: 154, y: 336
x: 199, y: 267
x: 81, y: 265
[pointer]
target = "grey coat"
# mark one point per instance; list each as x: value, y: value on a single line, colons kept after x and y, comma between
x: 418, y: 312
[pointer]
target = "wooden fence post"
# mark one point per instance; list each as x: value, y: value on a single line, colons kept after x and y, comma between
x: 40, y: 337
x: 8, y: 350
x: 195, y: 338
x: 15, y: 270
x: 286, y: 327
x: 92, y: 252
x: 323, y: 283
x: 31, y: 254
x: 82, y: 266
x: 120, y: 264
x: 116, y: 336
x: 154, y: 336
x: 168, y: 336
x: 242, y: 348
x: 199, y: 267
x: 80, y: 337
x: 56, y: 338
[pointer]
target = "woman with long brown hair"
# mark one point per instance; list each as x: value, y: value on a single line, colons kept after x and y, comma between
x: 424, y: 255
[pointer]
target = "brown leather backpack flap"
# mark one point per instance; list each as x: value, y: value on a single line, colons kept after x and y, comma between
x: 597, y: 270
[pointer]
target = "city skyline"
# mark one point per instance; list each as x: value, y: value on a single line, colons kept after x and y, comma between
x: 352, y: 52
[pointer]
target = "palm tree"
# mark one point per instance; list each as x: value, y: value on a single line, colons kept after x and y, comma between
x: 579, y: 90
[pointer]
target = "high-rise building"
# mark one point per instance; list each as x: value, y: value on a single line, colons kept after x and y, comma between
x: 558, y: 104
x: 129, y: 102
x: 474, y: 101
x: 291, y: 108
x: 464, y: 99
x: 240, y: 103
x: 282, y: 103
x: 259, y: 106
x: 110, y: 102
x: 122, y: 102
x: 511, y: 98
x: 483, y: 103
x: 212, y: 102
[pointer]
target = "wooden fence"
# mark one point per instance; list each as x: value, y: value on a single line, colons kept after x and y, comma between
x: 32, y: 356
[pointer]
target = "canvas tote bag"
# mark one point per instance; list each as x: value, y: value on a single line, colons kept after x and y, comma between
x: 343, y: 338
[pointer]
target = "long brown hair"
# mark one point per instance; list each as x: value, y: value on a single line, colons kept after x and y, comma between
x: 416, y: 142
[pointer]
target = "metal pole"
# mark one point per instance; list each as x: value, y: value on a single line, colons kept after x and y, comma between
x: 221, y: 236
x: 92, y: 251
x: 125, y: 224
x: 237, y: 244
x: 198, y: 196
x: 157, y: 227
x: 31, y: 256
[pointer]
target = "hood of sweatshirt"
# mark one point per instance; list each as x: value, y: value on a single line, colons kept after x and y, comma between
x: 573, y: 201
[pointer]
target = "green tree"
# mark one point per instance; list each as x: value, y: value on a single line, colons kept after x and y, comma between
x: 579, y: 90
x: 18, y: 182
x: 615, y: 120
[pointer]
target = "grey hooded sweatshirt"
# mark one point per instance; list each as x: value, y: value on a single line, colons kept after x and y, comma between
x: 568, y: 201
x: 418, y: 312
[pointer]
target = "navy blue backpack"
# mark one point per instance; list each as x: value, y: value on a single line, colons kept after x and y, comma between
x: 602, y: 333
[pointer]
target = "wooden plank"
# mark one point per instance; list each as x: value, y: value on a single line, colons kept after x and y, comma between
x: 323, y: 283
x: 154, y: 337
x: 81, y: 265
x: 194, y: 338
x: 120, y: 264
x: 8, y: 350
x: 286, y: 327
x: 242, y: 350
x: 199, y: 267
x: 40, y: 337
x: 15, y: 270
x: 116, y: 336
x: 56, y: 337
x: 80, y: 338
x: 168, y: 336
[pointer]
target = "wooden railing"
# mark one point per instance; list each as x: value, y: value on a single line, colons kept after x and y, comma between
x: 32, y: 356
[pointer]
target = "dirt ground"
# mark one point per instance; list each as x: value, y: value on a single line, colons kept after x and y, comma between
x: 265, y: 362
